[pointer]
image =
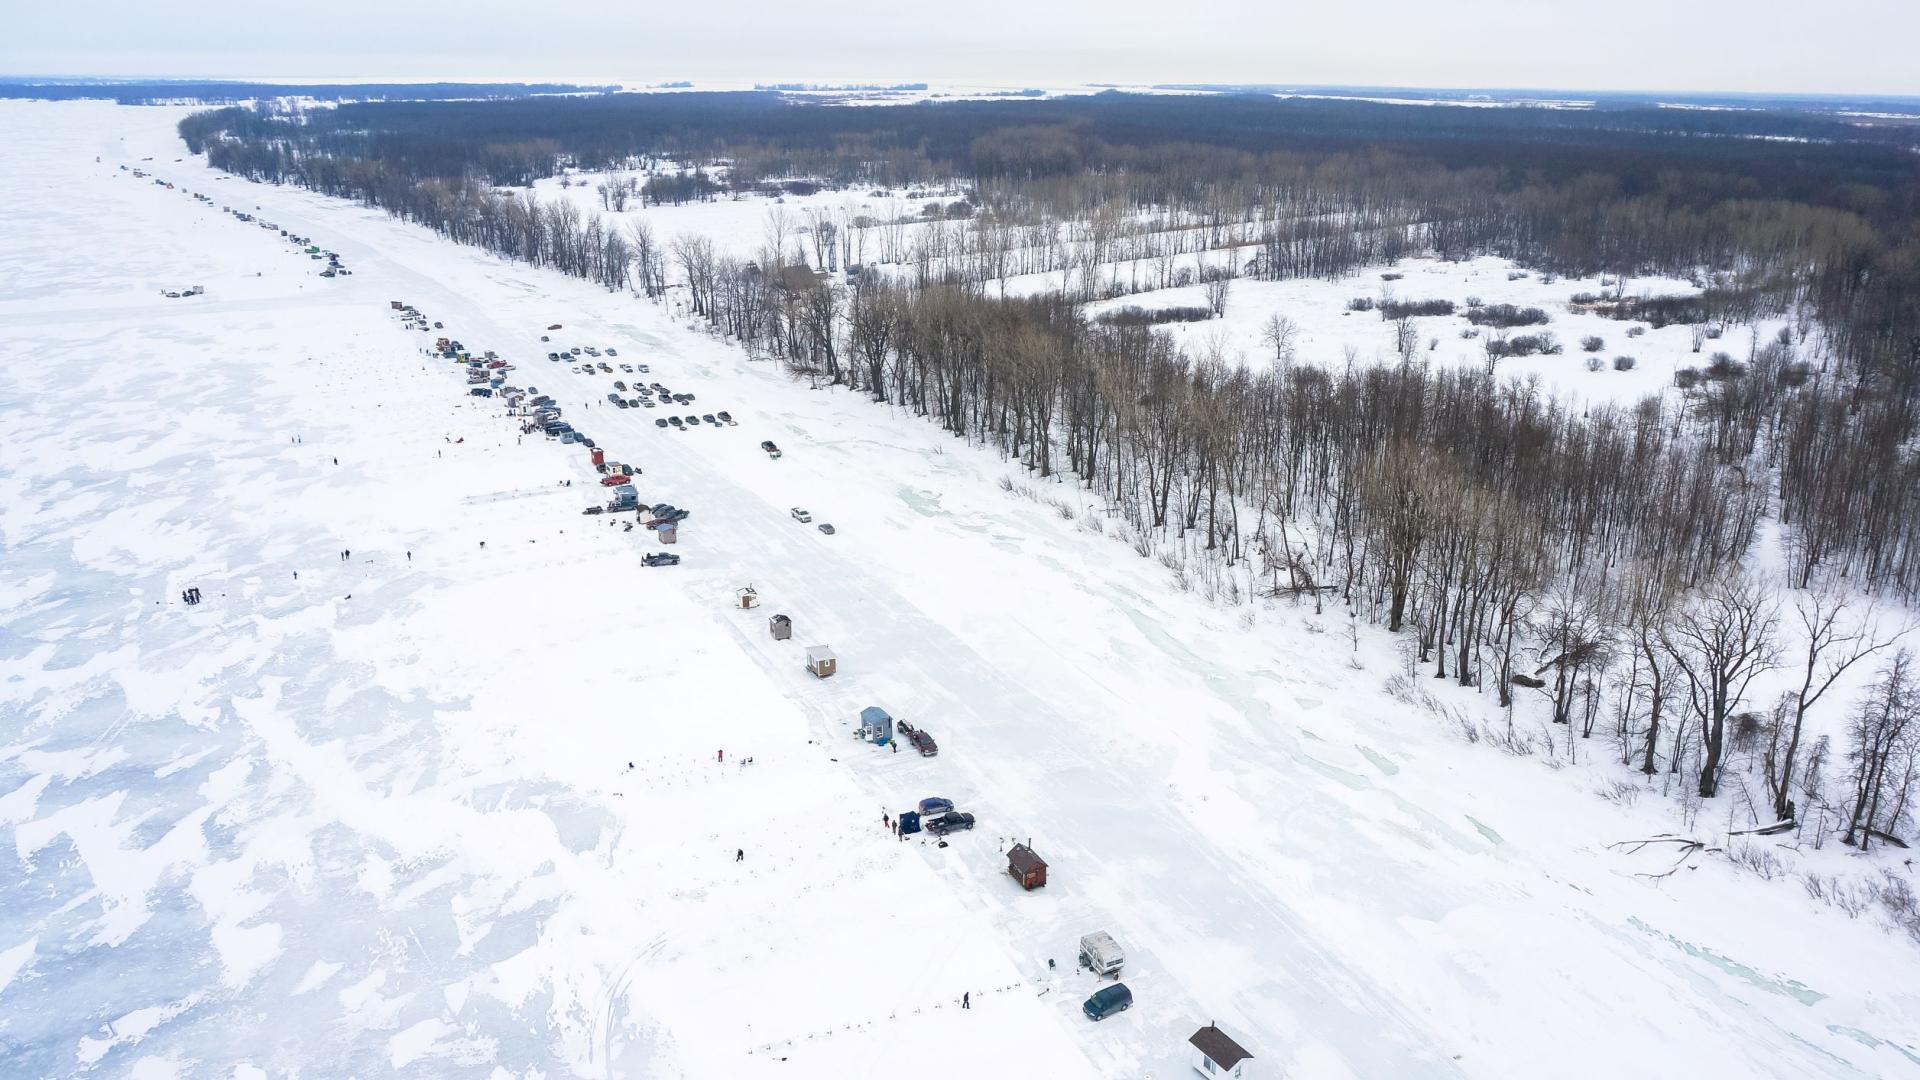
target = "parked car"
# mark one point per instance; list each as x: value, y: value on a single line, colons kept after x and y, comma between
x: 544, y: 337
x: 693, y: 420
x: 622, y: 402
x: 642, y: 369
x: 826, y: 527
x: 708, y: 417
x: 661, y: 558
x: 628, y: 368
x: 950, y: 823
x: 801, y: 515
x: 618, y: 385
x: 480, y: 391
x: 613, y: 352
x: 614, y: 480
x: 613, y: 397
x: 659, y: 421
x: 646, y: 403
x: 726, y: 416
x: 933, y: 805
x: 1108, y: 1001
x: 555, y: 326
x: 772, y: 450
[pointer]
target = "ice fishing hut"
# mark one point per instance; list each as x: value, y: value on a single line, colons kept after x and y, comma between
x: 749, y: 598
x: 1214, y: 1054
x: 876, y: 726
x: 669, y: 533
x: 1028, y: 869
x: 821, y: 661
x: 780, y: 627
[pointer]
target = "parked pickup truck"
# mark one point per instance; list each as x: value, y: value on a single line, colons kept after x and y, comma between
x: 949, y: 823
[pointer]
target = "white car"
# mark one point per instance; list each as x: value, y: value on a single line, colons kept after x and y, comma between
x: 801, y: 515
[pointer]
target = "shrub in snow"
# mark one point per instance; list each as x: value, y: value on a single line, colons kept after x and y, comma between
x: 1594, y: 363
x: 1624, y: 363
x: 1636, y: 331
x: 1524, y: 345
x: 1360, y: 303
x: 1687, y: 378
x: 1592, y: 343
x: 1402, y: 309
x: 1134, y: 315
x: 1724, y: 366
x: 1507, y: 316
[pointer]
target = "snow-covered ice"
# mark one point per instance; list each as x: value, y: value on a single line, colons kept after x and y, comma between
x: 379, y: 819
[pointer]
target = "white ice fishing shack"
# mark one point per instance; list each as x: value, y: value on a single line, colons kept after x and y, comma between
x: 1214, y: 1054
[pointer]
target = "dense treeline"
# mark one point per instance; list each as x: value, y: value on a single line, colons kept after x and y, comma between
x: 1596, y: 556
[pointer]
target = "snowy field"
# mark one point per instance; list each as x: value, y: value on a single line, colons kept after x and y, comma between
x: 1327, y: 333
x: 379, y: 819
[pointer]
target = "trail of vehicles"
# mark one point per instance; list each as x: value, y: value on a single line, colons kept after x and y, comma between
x: 1100, y: 956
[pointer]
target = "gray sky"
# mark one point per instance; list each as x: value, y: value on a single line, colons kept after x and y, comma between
x: 1837, y: 46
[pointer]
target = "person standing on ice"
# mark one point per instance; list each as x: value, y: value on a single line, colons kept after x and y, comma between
x: 739, y: 854
x: 720, y: 756
x: 966, y: 1000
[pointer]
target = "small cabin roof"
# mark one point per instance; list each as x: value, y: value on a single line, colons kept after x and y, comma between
x: 1021, y: 857
x: 874, y: 714
x: 819, y: 652
x: 1220, y: 1049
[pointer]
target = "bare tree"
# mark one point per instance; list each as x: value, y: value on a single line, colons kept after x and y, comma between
x: 1883, y: 754
x: 1218, y: 281
x: 1282, y: 335
x: 1720, y: 642
x: 1833, y: 644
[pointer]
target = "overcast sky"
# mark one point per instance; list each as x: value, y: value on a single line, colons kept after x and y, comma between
x: 1783, y: 46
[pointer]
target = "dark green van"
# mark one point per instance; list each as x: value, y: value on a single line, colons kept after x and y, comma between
x: 1106, y: 1002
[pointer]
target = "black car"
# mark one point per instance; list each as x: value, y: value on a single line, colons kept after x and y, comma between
x: 725, y: 416
x: 708, y: 417
x: 664, y: 558
x: 622, y: 402
x: 613, y: 352
x: 554, y: 356
x: 693, y: 420
x: 675, y: 421
x: 660, y: 422
x: 948, y: 823
x: 618, y: 385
